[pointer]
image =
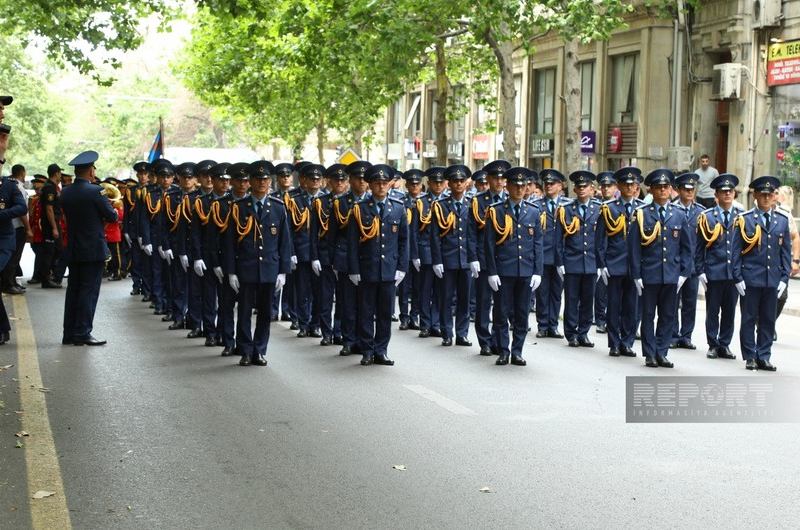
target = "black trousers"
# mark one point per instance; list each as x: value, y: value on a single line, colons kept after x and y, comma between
x: 9, y: 275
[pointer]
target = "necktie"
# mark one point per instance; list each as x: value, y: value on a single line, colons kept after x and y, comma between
x: 516, y: 211
x: 628, y: 209
x: 582, y: 209
x: 661, y: 213
x: 766, y: 220
x: 496, y: 198
x: 458, y: 208
x: 259, y: 209
x: 725, y: 214
x: 380, y: 209
x: 552, y: 206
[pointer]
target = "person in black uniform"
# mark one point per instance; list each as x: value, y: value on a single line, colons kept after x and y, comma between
x: 85, y: 207
x: 12, y: 205
x: 51, y: 227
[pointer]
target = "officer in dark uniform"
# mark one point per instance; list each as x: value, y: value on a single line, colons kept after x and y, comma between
x: 514, y: 263
x: 284, y: 298
x: 258, y: 256
x: 575, y: 258
x: 608, y: 188
x: 687, y: 298
x: 187, y: 254
x: 762, y: 260
x: 175, y: 243
x: 86, y: 208
x: 377, y: 262
x: 51, y: 228
x: 449, y: 241
x: 12, y: 205
x: 661, y: 258
x: 153, y: 232
x: 408, y: 291
x: 130, y: 226
x: 714, y: 266
x: 495, y: 175
x: 548, y: 296
x: 611, y: 238
x: 421, y: 257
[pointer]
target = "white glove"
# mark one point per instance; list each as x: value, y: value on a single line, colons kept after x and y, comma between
x: 398, y: 277
x: 184, y: 262
x: 161, y: 252
x: 417, y: 264
x: 148, y: 249
x: 233, y: 280
x: 741, y: 287
x: 536, y: 281
x: 139, y: 239
x: 218, y: 273
x: 639, y: 285
x: 494, y: 282
x: 475, y: 266
x: 703, y: 281
x: 128, y: 239
x: 280, y: 281
x: 316, y: 266
x: 604, y: 275
x: 599, y: 273
x: 560, y: 271
x: 355, y: 278
x: 294, y: 262
x: 681, y: 281
x: 438, y: 270
x: 168, y: 256
x: 781, y: 288
x: 199, y: 266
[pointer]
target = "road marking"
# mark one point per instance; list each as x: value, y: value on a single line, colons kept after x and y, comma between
x: 444, y: 402
x: 44, y: 472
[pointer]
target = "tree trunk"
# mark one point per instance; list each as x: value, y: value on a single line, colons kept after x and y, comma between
x: 503, y: 52
x: 358, y: 142
x: 219, y: 134
x: 321, y: 139
x: 572, y: 104
x: 442, y: 92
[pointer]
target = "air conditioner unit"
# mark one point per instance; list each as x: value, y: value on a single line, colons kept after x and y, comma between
x: 726, y: 81
x: 767, y: 13
x: 680, y: 158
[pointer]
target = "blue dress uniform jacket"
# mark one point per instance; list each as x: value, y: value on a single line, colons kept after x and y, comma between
x: 377, y: 258
x: 299, y: 208
x: 12, y: 205
x: 660, y: 255
x: 612, y: 234
x: 257, y: 250
x: 448, y: 232
x: 548, y: 295
x: 687, y: 298
x: 575, y: 242
x: 322, y: 242
x: 421, y: 221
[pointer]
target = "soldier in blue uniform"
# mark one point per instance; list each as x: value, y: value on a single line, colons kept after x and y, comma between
x: 258, y: 256
x: 12, y: 205
x: 514, y: 263
x: 322, y: 246
x: 762, y: 259
x: 449, y: 237
x: 608, y: 191
x: 661, y: 258
x: 687, y: 299
x: 421, y: 256
x: 714, y: 266
x: 611, y: 239
x: 495, y: 175
x: 377, y: 255
x: 575, y: 258
x: 284, y: 298
x: 548, y: 296
x: 408, y: 290
x: 130, y: 227
x: 86, y: 208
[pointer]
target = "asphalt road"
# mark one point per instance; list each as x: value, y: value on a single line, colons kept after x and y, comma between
x: 155, y: 430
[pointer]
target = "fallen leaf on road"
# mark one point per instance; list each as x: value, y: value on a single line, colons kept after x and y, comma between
x: 129, y: 508
x: 41, y: 494
x: 485, y: 489
x: 41, y: 388
x: 20, y: 434
x: 399, y: 467
x: 6, y: 367
x: 18, y: 445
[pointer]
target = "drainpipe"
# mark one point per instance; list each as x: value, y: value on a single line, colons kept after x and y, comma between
x: 677, y: 77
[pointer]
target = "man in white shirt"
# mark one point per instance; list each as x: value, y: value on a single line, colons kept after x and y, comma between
x: 705, y: 193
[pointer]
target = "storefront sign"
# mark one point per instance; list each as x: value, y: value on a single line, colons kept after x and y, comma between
x: 783, y: 63
x: 588, y: 139
x: 480, y: 147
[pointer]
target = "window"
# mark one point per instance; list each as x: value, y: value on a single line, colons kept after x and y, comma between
x: 545, y: 90
x: 431, y: 115
x: 625, y: 82
x: 458, y: 127
x: 587, y: 96
x: 396, y: 121
x: 413, y: 119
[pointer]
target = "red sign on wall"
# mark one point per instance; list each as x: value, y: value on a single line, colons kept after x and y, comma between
x: 480, y: 147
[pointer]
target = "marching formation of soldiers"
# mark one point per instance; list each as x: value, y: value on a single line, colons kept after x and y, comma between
x: 346, y: 251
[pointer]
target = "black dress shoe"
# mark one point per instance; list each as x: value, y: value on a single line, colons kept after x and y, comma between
x: 227, y: 352
x: 650, y: 362
x: 338, y: 340
x: 286, y: 318
x: 366, y: 360
x: 766, y: 365
x: 89, y: 341
x: 196, y: 333
x: 627, y: 351
x: 135, y: 291
x: 210, y: 342
x: 273, y: 317
x: 114, y: 278
x: 64, y: 341
x: 424, y: 334
x: 295, y: 326
x: 674, y: 344
x: 315, y: 333
x: 50, y: 285
x: 541, y: 334
x: 159, y: 312
x: 147, y: 298
x: 601, y: 328
x: 413, y: 325
x: 463, y: 341
x: 554, y: 334
x: 447, y: 341
x: 519, y: 361
x: 663, y: 362
x: 403, y: 326
x: 486, y: 351
x: 725, y: 353
x: 260, y: 361
x: 613, y: 352
x: 436, y: 333
x: 245, y: 361
x: 177, y: 325
x: 686, y: 345
x: 502, y: 360
x: 344, y: 352
x: 166, y: 318
x: 712, y: 352
x: 302, y: 333
x: 585, y: 342
x: 218, y: 341
x: 384, y: 360
x: 326, y: 341
x: 33, y: 281
x: 394, y: 318
x: 13, y: 290
x: 751, y: 364
x: 573, y: 343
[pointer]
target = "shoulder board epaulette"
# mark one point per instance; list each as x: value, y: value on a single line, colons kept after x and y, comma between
x: 594, y: 200
x: 640, y: 206
x: 783, y: 212
x: 565, y: 201
x: 680, y: 207
x: 275, y: 200
x: 610, y: 201
x: 708, y: 210
x: 396, y: 200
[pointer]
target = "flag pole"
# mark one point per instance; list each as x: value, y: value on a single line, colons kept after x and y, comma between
x: 163, y: 143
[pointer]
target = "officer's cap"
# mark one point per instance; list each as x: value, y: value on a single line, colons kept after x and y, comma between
x: 379, y: 172
x: 397, y: 174
x: 605, y: 178
x: 660, y: 177
x: 687, y: 180
x: 284, y: 169
x: 86, y: 158
x: 239, y: 170
x: 163, y: 168
x: 298, y: 167
x: 581, y: 177
x: 52, y: 169
x: 130, y: 182
x: 261, y: 169
x: 457, y: 172
x: 725, y: 182
x: 479, y: 177
x: 220, y: 171
x: 765, y: 184
x: 497, y: 168
x: 38, y: 181
x: 186, y: 170
x: 358, y: 168
x: 435, y: 174
x: 142, y: 166
x: 413, y: 176
x: 518, y: 175
x: 312, y: 171
x: 552, y: 175
x: 111, y: 180
x: 203, y: 167
x: 336, y: 172
x: 6, y: 100
x: 628, y: 175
